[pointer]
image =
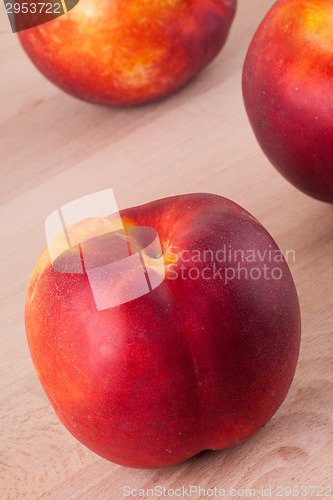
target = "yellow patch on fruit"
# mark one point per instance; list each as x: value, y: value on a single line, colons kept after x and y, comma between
x: 169, y: 254
x: 307, y: 32
x: 317, y: 21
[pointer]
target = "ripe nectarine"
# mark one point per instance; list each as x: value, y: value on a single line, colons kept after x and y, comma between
x: 288, y: 92
x: 200, y: 362
x: 118, y: 52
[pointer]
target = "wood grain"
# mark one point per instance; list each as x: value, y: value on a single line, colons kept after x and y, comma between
x: 54, y: 149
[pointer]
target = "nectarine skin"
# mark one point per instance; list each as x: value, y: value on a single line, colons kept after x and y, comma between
x: 288, y: 92
x: 122, y: 53
x: 195, y: 364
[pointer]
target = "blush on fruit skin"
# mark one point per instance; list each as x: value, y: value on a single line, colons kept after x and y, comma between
x: 123, y: 53
x: 192, y: 365
x: 288, y: 92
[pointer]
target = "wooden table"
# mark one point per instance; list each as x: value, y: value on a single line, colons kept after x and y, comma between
x: 54, y: 149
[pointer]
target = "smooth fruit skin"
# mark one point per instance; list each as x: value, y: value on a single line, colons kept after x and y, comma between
x: 288, y: 92
x: 123, y: 53
x: 193, y: 365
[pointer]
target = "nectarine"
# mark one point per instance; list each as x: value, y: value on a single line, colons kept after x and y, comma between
x: 200, y: 362
x: 288, y: 92
x: 118, y: 52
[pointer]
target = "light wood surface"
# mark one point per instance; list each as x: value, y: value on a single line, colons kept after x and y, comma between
x: 54, y: 149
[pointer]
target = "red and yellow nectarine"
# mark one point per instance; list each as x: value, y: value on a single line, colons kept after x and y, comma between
x: 118, y: 52
x: 288, y: 92
x: 198, y: 363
